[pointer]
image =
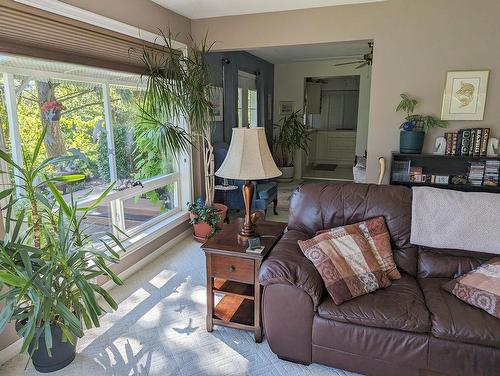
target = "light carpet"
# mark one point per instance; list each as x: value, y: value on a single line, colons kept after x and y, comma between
x: 159, y: 329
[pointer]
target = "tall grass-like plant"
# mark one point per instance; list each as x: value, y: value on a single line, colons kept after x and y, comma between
x: 178, y: 87
x: 292, y: 135
x: 48, y: 262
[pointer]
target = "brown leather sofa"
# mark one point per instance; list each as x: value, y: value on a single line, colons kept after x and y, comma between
x: 410, y: 327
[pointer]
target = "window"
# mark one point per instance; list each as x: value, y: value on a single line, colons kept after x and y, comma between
x: 94, y: 117
x: 247, y: 100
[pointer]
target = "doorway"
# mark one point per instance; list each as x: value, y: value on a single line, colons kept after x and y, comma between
x: 331, y: 106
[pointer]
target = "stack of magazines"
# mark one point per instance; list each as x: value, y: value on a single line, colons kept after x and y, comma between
x: 476, y: 173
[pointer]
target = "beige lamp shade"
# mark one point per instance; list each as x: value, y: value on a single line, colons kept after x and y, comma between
x: 248, y: 157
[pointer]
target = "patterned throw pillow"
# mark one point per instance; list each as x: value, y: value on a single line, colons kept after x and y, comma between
x: 345, y: 262
x: 376, y: 233
x: 480, y: 287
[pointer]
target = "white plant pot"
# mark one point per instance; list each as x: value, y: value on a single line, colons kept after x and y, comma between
x: 286, y: 175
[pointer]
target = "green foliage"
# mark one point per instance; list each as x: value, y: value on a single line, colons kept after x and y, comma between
x: 407, y: 104
x: 417, y: 122
x: 47, y: 261
x: 204, y: 213
x: 178, y: 86
x: 426, y: 122
x: 292, y: 136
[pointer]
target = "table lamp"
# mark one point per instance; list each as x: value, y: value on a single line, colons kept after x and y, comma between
x: 248, y: 158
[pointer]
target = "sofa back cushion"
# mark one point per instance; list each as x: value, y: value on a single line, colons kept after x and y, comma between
x: 448, y: 263
x: 320, y: 206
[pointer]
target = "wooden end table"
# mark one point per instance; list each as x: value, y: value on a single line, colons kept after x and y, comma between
x: 234, y: 273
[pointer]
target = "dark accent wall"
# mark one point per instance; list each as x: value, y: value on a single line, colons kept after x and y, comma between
x: 225, y: 65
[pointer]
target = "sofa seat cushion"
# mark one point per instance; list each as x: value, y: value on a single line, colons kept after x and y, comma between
x: 400, y: 306
x: 267, y: 191
x: 455, y: 320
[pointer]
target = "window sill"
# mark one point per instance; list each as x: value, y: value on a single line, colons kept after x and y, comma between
x: 146, y: 236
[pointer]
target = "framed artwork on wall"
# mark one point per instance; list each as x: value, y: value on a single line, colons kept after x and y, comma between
x: 464, y: 95
x: 218, y: 102
x: 286, y: 108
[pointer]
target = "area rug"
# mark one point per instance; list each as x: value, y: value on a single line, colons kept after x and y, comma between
x: 159, y: 329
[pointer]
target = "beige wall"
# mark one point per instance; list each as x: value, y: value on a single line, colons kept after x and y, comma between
x: 289, y: 86
x: 144, y: 14
x: 416, y: 42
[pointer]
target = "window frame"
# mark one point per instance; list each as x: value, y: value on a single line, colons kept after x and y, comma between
x: 181, y: 177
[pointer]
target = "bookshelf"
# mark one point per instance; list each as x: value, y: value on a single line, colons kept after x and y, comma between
x: 445, y: 165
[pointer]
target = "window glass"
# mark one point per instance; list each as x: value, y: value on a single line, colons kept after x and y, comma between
x: 137, y: 154
x: 149, y: 205
x: 73, y: 113
x: 252, y: 108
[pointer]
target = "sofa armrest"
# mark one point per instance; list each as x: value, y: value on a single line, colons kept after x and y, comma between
x: 286, y: 264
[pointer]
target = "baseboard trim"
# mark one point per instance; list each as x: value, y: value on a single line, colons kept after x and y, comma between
x: 13, y: 349
x: 10, y: 351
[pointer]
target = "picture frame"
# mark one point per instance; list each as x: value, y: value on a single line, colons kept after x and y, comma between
x: 286, y: 108
x: 218, y: 103
x: 464, y: 96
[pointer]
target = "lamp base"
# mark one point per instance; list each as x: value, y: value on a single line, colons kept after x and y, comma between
x: 248, y: 229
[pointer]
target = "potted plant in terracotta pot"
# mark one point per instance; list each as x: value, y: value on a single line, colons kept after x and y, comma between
x: 291, y: 136
x: 48, y: 263
x: 206, y: 220
x: 414, y: 128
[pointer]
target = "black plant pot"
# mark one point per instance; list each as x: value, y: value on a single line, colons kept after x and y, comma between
x: 63, y: 353
x: 411, y: 142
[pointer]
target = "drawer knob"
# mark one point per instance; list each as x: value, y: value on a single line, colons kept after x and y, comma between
x: 232, y: 268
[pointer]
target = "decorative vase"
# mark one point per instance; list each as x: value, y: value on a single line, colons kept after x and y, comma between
x: 63, y: 353
x: 286, y: 174
x: 411, y: 142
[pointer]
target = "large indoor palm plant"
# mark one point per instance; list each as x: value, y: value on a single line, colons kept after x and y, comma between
x: 291, y: 135
x: 178, y: 87
x: 48, y: 262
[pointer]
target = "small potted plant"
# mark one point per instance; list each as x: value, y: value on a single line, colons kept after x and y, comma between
x: 206, y: 220
x: 52, y: 110
x: 292, y: 136
x: 413, y: 130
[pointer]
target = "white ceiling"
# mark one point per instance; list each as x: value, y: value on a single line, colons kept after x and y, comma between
x: 214, y: 8
x: 312, y: 52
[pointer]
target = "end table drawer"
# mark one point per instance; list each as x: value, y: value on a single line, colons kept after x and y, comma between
x: 233, y: 268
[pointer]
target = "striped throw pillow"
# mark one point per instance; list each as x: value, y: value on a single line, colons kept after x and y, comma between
x: 344, y: 260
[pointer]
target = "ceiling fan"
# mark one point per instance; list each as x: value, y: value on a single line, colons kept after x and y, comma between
x: 367, y: 59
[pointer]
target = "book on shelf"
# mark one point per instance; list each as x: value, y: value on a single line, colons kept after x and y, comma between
x: 448, y: 136
x: 484, y: 142
x: 454, y: 143
x: 477, y: 143
x: 472, y: 141
x: 458, y: 150
x: 465, y: 142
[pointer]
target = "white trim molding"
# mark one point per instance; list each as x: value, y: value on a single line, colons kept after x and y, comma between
x: 79, y: 14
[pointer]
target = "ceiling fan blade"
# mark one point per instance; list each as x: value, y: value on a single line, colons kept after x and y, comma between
x: 362, y: 65
x: 350, y: 62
